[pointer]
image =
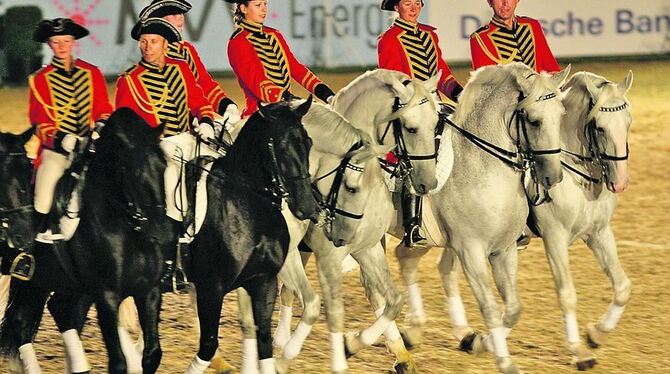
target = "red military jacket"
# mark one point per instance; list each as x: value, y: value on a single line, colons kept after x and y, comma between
x: 211, y: 89
x: 64, y: 102
x: 163, y: 96
x: 264, y: 65
x: 414, y: 49
x: 496, y: 44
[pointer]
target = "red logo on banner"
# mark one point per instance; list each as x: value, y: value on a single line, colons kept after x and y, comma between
x: 81, y: 14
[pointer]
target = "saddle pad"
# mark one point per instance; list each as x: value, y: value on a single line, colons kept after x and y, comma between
x: 430, y: 225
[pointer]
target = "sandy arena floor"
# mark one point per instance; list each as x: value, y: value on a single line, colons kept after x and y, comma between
x: 641, y: 224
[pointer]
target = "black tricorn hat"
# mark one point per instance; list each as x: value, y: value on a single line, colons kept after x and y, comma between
x: 58, y: 26
x: 156, y: 26
x: 237, y: 1
x: 389, y: 4
x: 162, y: 8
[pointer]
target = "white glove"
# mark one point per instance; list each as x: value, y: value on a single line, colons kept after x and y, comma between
x: 205, y: 131
x: 231, y: 115
x: 69, y: 143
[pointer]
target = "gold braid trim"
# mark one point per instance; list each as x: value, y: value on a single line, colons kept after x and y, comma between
x: 154, y: 107
x: 499, y: 61
x: 47, y: 108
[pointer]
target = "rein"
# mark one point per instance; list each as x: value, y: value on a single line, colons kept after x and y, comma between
x: 595, y: 157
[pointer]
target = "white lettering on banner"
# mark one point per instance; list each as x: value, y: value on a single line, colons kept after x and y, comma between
x: 572, y: 27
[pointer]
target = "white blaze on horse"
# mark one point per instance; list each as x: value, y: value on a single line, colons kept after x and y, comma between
x: 506, y: 148
x: 594, y: 137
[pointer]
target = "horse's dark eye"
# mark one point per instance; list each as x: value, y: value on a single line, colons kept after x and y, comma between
x: 350, y: 190
x: 411, y: 131
x: 600, y: 130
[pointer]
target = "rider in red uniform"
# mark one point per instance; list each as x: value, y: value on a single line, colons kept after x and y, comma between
x: 173, y: 11
x: 67, y: 97
x: 509, y: 38
x: 262, y: 60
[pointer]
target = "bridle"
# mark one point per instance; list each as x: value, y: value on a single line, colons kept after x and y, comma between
x: 404, y: 167
x: 524, y: 158
x: 329, y: 205
x: 278, y: 180
x: 596, y: 156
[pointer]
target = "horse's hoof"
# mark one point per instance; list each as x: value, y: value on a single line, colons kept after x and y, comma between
x: 412, y: 337
x: 586, y: 365
x: 506, y: 366
x: 282, y: 365
x: 472, y: 343
x: 407, y: 367
x: 351, y: 344
x: 594, y: 336
x: 221, y: 366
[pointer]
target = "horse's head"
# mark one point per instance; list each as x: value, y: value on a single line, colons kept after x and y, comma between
x: 288, y: 156
x: 346, y: 189
x: 608, y: 120
x: 16, y: 197
x: 413, y: 121
x: 130, y: 157
x: 396, y: 110
x: 540, y: 111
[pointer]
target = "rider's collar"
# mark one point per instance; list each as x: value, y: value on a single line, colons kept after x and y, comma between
x: 151, y: 67
x: 406, y: 25
x: 498, y: 22
x: 60, y: 64
x: 251, y: 26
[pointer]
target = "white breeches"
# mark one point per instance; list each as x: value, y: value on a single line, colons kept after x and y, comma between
x: 51, y: 168
x: 180, y: 149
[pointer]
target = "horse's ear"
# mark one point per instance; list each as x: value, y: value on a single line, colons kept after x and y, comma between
x: 401, y: 90
x: 26, y: 135
x: 303, y: 108
x: 431, y: 83
x: 262, y: 109
x: 591, y: 88
x: 626, y: 84
x: 158, y: 130
x: 560, y: 77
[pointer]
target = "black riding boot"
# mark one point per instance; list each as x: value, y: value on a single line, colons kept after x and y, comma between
x: 411, y: 219
x: 173, y: 278
x: 23, y: 266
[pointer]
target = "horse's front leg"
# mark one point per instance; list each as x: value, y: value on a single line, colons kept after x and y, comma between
x: 603, y: 245
x: 387, y: 302
x: 263, y: 294
x: 473, y: 258
x: 107, y: 304
x: 287, y: 296
x: 249, y: 339
x: 20, y: 324
x: 148, y: 310
x: 409, y: 258
x: 69, y: 313
x: 329, y: 264
x: 210, y: 301
x: 556, y: 249
x: 469, y: 340
x: 295, y: 280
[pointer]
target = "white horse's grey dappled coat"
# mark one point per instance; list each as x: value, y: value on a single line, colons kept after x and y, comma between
x: 482, y: 208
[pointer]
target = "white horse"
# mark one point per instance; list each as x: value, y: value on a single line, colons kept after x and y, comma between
x: 508, y: 121
x: 397, y: 111
x: 594, y: 136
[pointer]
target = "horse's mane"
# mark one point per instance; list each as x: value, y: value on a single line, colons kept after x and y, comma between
x: 369, y: 80
x: 487, y: 81
x: 578, y: 96
x: 330, y: 132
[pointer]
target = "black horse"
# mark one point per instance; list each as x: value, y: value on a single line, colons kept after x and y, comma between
x: 244, y: 239
x: 116, y: 252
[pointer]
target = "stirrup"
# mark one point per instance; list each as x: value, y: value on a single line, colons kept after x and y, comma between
x: 414, y: 239
x: 23, y: 272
